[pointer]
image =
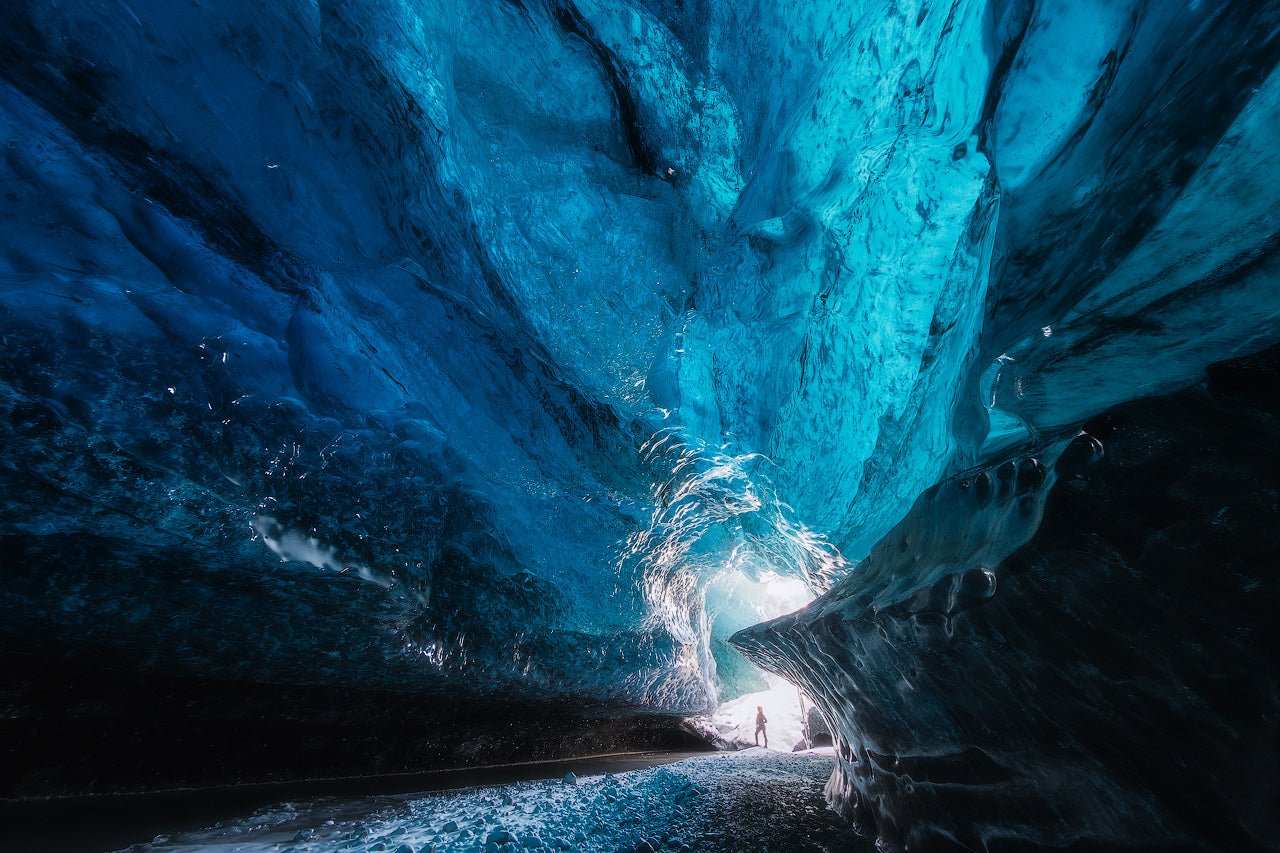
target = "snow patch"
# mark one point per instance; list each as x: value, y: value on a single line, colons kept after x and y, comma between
x: 733, y: 722
x: 292, y: 545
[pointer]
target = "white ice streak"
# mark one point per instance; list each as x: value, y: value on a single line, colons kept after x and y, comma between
x: 293, y: 545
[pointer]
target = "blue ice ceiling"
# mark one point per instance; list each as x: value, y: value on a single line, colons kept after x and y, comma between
x: 520, y: 343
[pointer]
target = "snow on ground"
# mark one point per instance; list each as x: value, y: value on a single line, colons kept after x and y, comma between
x: 735, y: 721
x: 754, y: 800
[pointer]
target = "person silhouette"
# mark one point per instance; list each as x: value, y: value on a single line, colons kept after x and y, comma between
x: 760, y: 726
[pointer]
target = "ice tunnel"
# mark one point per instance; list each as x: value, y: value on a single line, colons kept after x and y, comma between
x: 397, y: 385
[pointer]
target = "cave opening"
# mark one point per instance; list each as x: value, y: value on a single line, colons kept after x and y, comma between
x: 469, y: 426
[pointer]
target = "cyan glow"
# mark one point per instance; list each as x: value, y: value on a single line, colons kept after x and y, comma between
x: 533, y: 317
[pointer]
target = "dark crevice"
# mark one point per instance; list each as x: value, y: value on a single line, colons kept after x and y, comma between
x: 572, y: 22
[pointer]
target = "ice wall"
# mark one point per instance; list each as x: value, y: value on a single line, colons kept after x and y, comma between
x: 292, y: 289
x: 512, y: 347
x: 1103, y: 678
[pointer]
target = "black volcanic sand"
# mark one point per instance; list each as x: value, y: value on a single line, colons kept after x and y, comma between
x: 753, y: 800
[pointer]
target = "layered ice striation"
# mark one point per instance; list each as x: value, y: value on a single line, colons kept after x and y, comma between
x: 533, y: 347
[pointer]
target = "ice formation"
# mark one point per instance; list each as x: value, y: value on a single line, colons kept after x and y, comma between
x: 1101, y: 676
x: 510, y: 351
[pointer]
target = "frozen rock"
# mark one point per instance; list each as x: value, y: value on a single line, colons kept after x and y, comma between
x: 502, y: 836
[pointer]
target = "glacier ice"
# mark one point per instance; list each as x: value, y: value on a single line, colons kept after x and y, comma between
x: 515, y: 349
x: 1104, y: 676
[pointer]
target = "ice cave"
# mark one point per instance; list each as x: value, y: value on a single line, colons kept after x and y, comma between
x: 470, y: 425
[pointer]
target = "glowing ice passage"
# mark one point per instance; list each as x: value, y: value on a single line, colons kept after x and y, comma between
x: 517, y: 353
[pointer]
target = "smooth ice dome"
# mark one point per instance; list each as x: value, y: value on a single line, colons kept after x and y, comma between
x: 465, y: 370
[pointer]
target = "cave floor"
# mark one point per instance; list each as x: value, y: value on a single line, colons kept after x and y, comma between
x: 753, y: 800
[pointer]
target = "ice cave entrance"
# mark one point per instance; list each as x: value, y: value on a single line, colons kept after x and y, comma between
x: 740, y: 600
x: 784, y: 705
